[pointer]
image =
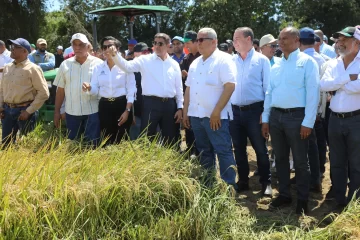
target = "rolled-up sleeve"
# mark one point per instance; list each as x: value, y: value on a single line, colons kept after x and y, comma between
x: 41, y: 88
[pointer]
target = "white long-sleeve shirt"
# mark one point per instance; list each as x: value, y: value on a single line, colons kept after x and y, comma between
x: 160, y: 78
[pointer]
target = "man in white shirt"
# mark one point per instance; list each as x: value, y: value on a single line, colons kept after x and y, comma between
x: 4, y: 57
x: 161, y: 88
x: 253, y: 69
x: 342, y: 76
x: 81, y: 108
x: 210, y: 82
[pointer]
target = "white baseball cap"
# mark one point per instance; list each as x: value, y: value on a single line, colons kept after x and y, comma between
x: 266, y: 39
x: 60, y: 47
x: 79, y: 36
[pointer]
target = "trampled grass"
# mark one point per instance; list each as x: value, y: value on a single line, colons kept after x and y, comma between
x: 51, y: 188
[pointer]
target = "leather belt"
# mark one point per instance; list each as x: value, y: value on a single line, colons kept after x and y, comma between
x: 289, y: 110
x: 250, y: 106
x: 18, y: 105
x: 160, y: 98
x: 346, y: 115
x: 113, y: 99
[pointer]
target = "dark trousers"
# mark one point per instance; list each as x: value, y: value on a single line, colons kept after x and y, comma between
x: 157, y: 112
x: 314, y: 162
x: 321, y: 143
x: 87, y: 125
x: 190, y: 141
x: 109, y: 114
x: 344, y: 138
x: 285, y: 134
x: 11, y: 124
x: 246, y: 124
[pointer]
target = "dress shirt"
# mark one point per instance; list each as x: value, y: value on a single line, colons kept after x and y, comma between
x: 323, y: 95
x: 178, y: 60
x: 68, y: 50
x: 316, y: 56
x: 44, y: 64
x: 294, y: 82
x: 71, y: 76
x: 112, y: 83
x: 23, y: 82
x: 327, y: 50
x: 274, y: 60
x: 161, y: 78
x: 206, y: 80
x: 252, y: 78
x: 185, y: 64
x: 336, y: 78
x: 5, y: 59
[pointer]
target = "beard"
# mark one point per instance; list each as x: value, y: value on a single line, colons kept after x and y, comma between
x: 42, y: 50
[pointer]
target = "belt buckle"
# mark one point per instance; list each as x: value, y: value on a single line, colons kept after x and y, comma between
x: 111, y: 99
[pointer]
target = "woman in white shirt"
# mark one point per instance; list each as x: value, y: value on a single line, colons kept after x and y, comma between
x: 116, y: 90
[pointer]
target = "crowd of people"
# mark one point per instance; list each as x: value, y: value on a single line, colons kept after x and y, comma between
x: 297, y: 90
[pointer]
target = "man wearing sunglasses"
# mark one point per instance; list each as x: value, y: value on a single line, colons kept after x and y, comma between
x: 210, y: 82
x: 161, y: 87
x: 268, y: 46
x: 247, y: 105
x: 23, y: 91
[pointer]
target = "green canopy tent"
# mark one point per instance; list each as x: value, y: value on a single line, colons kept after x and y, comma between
x: 130, y: 11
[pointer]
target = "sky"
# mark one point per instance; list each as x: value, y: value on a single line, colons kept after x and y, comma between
x: 53, y: 5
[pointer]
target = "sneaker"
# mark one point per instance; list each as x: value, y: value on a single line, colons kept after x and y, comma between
x: 302, y: 207
x: 266, y: 190
x: 280, y: 201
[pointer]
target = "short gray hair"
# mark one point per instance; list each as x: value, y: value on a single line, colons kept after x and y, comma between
x: 2, y: 43
x: 209, y: 32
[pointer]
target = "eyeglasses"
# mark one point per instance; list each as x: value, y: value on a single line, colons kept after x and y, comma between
x: 202, y: 39
x: 104, y: 47
x: 160, y: 44
x: 274, y: 45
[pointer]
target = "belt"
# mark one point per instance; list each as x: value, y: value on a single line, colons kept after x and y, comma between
x: 250, y: 106
x: 160, y: 98
x: 18, y: 105
x: 346, y: 115
x: 288, y: 110
x: 113, y: 99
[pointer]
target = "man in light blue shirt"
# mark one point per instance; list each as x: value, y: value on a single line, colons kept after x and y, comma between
x: 247, y: 104
x: 42, y: 57
x: 325, y: 48
x: 317, y: 141
x: 290, y: 107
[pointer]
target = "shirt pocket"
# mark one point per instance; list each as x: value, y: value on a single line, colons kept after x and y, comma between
x: 212, y: 79
x: 295, y: 76
x: 21, y: 79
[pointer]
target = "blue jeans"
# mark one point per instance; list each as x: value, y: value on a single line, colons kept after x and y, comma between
x: 246, y: 124
x: 209, y: 142
x: 89, y: 125
x: 285, y: 134
x: 11, y: 124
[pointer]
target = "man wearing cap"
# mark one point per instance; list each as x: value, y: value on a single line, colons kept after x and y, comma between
x: 342, y: 76
x: 290, y: 108
x: 230, y: 46
x: 4, y: 57
x: 224, y: 47
x: 161, y: 87
x: 81, y: 108
x: 131, y: 45
x: 247, y: 101
x: 325, y: 48
x: 192, y: 45
x: 307, y: 41
x: 59, y: 57
x: 33, y: 48
x: 210, y: 83
x: 268, y: 46
x: 42, y: 57
x: 23, y: 90
x: 178, y: 45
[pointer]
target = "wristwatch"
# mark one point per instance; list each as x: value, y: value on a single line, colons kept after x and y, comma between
x: 180, y: 109
x: 128, y: 109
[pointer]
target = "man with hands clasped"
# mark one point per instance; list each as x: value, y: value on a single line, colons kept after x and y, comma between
x: 161, y: 87
x: 210, y: 82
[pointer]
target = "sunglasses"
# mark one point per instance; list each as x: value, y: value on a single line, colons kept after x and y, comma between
x: 273, y: 45
x: 202, y: 39
x: 160, y: 44
x: 104, y: 47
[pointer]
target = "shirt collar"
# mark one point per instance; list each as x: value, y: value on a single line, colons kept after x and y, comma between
x: 89, y: 57
x: 292, y: 55
x: 249, y: 55
x: 155, y: 56
x: 309, y: 50
x: 23, y: 63
x: 213, y: 55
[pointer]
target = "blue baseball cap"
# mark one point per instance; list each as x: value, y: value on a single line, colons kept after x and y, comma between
x: 132, y: 42
x: 307, y: 33
x: 180, y: 39
x: 21, y: 42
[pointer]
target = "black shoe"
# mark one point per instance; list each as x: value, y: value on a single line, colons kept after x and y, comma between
x: 242, y: 186
x: 293, y: 180
x: 280, y: 201
x: 302, y: 207
x: 330, y: 195
x: 256, y: 172
x: 266, y: 190
x: 316, y: 188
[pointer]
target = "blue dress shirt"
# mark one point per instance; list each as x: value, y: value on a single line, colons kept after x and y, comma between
x: 274, y: 60
x: 327, y: 50
x: 317, y: 57
x: 178, y: 59
x: 252, y: 78
x: 45, y: 66
x: 294, y: 82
